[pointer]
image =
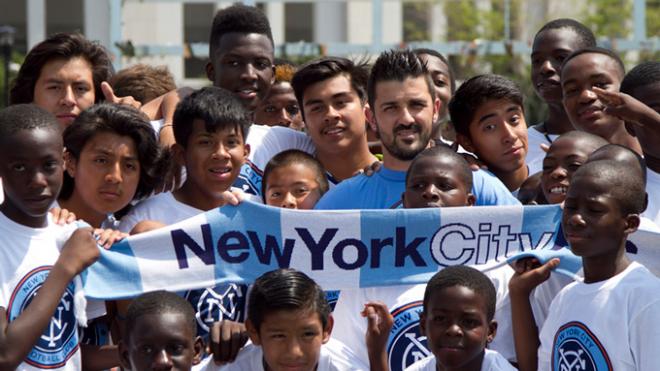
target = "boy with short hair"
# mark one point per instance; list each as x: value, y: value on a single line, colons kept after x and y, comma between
x: 161, y: 333
x: 642, y: 84
x: 210, y: 127
x: 458, y: 321
x: 293, y: 180
x: 289, y: 323
x: 584, y: 71
x: 37, y: 331
x: 552, y: 44
x: 488, y: 115
x: 565, y: 155
x: 602, y: 208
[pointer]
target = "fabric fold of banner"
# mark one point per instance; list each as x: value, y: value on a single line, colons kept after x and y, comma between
x: 339, y: 249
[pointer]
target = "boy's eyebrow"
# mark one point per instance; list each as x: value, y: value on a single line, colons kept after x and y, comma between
x: 342, y: 94
x: 513, y: 107
x: 110, y: 153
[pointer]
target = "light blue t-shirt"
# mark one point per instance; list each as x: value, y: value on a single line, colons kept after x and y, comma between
x: 383, y: 190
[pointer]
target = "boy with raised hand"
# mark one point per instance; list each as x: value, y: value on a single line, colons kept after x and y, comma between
x: 161, y: 334
x: 582, y: 71
x: 552, y: 44
x: 602, y: 208
x: 402, y: 110
x: 638, y: 104
x: 39, y: 257
x: 487, y: 113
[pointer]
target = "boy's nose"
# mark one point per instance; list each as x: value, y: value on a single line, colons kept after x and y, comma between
x: 454, y: 330
x: 289, y: 202
x: 558, y: 173
x: 431, y: 193
x: 114, y: 174
x: 249, y: 72
x: 162, y: 361
x: 68, y: 97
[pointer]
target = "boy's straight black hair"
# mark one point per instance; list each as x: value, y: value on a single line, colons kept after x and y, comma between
x: 326, y: 68
x: 60, y: 46
x: 462, y: 275
x: 475, y: 92
x: 124, y: 121
x: 294, y: 156
x: 218, y: 108
x: 285, y: 289
x: 442, y: 150
x: 159, y: 302
x: 597, y: 50
x: 397, y: 65
x: 19, y: 117
x: 624, y: 183
x: 645, y: 73
x: 586, y: 38
x: 238, y: 18
x: 452, y: 78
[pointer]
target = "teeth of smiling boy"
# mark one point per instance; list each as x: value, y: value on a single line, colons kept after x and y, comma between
x: 558, y: 190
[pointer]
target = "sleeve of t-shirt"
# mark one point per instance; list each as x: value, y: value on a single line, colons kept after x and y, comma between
x: 645, y: 337
x: 350, y: 327
x: 331, y: 200
x: 489, y: 190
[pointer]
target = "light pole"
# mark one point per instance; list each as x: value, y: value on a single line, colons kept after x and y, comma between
x: 6, y: 44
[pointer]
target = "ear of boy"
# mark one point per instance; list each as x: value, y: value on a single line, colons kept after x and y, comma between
x: 632, y: 223
x: 465, y: 142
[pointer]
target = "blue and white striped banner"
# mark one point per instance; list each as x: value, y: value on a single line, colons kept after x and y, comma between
x: 339, y: 249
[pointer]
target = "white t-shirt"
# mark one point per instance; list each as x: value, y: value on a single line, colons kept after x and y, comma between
x: 265, y: 142
x: 653, y: 190
x: 493, y: 361
x: 405, y: 345
x: 27, y: 256
x: 535, y: 154
x: 334, y: 356
x: 608, y: 325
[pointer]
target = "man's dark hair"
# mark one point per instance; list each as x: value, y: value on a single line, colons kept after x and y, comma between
x: 25, y: 117
x: 240, y: 19
x: 159, y: 302
x: 462, y: 275
x: 326, y: 68
x: 597, y: 50
x: 476, y: 91
x: 397, y: 65
x: 434, y: 53
x: 294, y: 156
x: 218, y: 108
x: 124, y: 121
x: 143, y: 82
x: 442, y: 150
x: 586, y: 38
x: 285, y: 289
x: 624, y: 183
x: 60, y: 46
x: 645, y: 73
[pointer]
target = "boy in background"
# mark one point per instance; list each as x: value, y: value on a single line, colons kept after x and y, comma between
x: 565, y: 155
x: 552, y: 44
x: 293, y: 180
x: 161, y: 334
x: 582, y: 72
x: 601, y: 209
x: 487, y: 113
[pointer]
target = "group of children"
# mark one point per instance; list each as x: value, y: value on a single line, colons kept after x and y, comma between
x: 71, y: 148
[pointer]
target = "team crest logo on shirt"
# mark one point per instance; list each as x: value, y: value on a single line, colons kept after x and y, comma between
x: 405, y: 345
x: 217, y: 303
x: 59, y: 341
x: 331, y: 297
x: 249, y: 179
x: 576, y: 348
